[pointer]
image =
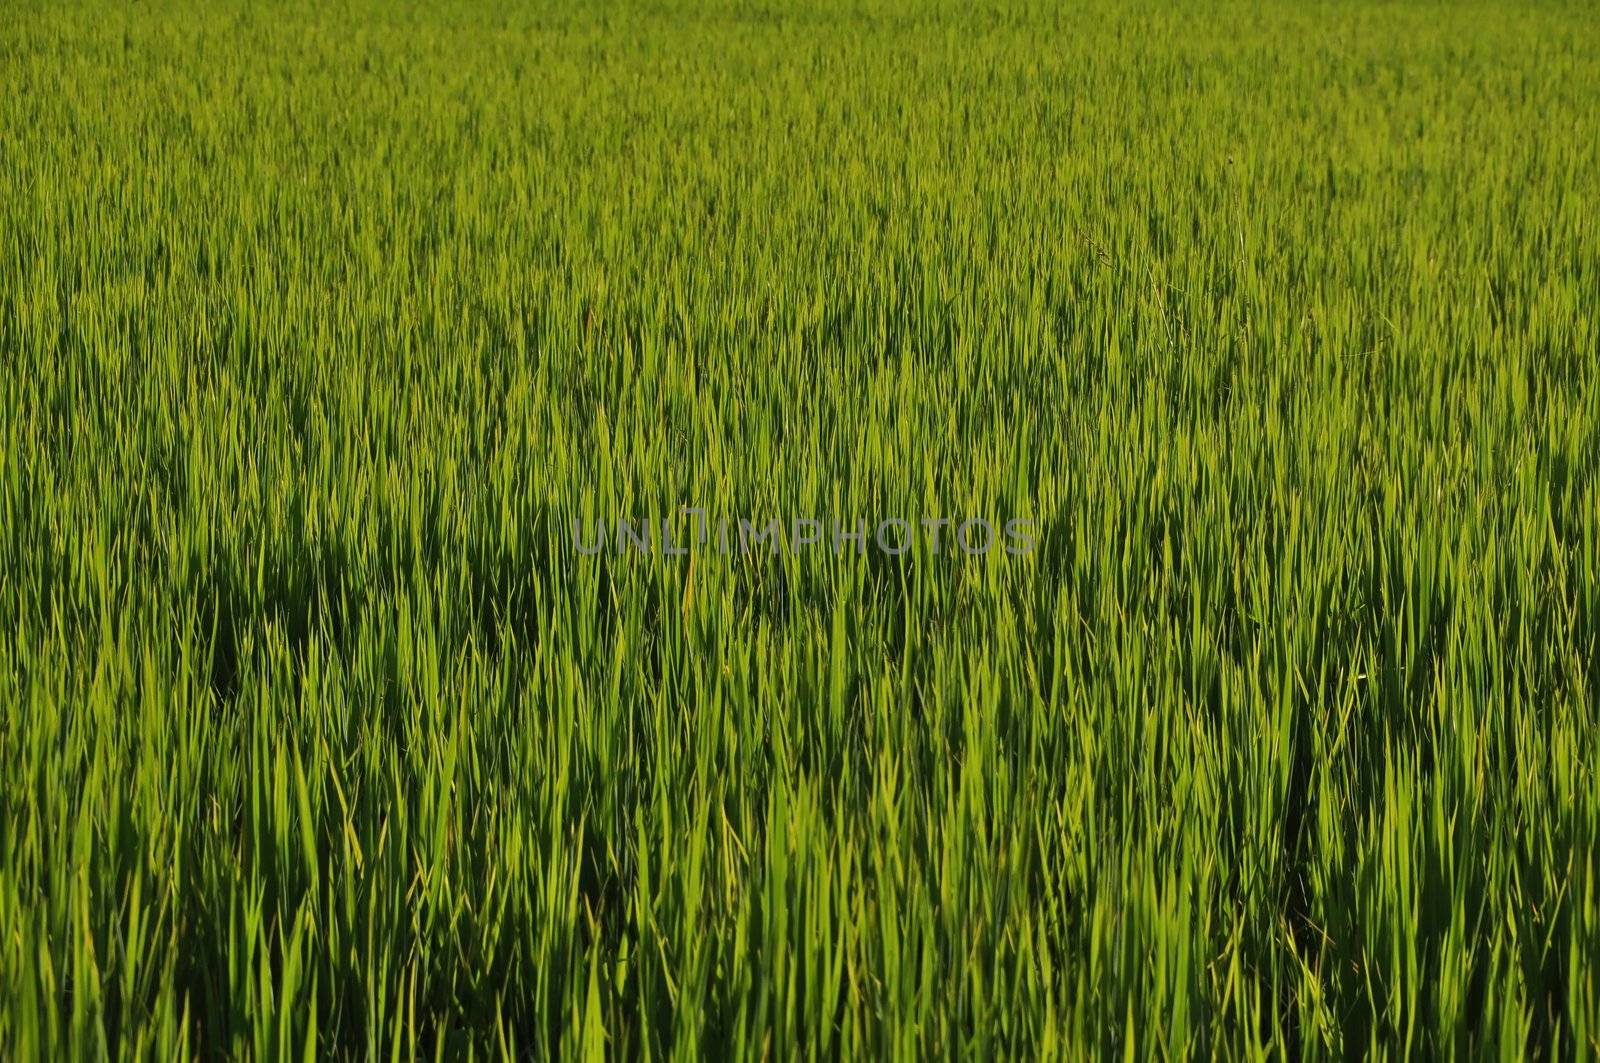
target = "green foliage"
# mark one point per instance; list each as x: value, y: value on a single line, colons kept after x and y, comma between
x: 319, y: 324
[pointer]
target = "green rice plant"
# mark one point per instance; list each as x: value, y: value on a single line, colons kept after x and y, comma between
x: 322, y: 326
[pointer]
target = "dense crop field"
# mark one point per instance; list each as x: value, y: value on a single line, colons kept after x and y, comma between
x: 322, y: 732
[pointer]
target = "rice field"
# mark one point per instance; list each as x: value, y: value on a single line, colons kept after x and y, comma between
x: 398, y: 658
